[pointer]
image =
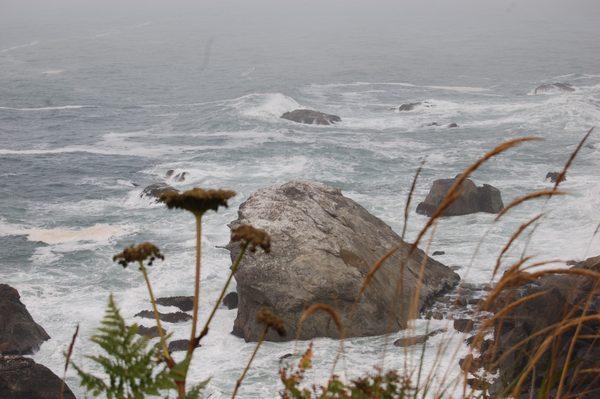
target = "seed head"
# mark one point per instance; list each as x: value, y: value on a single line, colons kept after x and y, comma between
x: 266, y: 317
x: 252, y: 236
x: 138, y: 253
x: 197, y: 200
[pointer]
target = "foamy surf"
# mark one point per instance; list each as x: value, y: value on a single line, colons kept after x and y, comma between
x: 99, y: 233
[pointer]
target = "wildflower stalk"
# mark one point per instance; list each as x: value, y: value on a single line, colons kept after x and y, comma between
x: 192, y: 344
x: 234, y: 268
x: 238, y: 383
x: 161, y: 332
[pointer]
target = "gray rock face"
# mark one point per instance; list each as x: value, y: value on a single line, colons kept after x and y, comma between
x: 185, y: 303
x: 322, y: 246
x: 22, y: 378
x: 472, y: 199
x: 156, y: 190
x: 175, y: 317
x: 554, y: 88
x: 19, y: 333
x: 231, y: 300
x: 311, y: 117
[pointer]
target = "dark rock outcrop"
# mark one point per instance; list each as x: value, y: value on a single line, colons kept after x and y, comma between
x: 452, y: 125
x: 156, y: 190
x: 311, y: 117
x: 149, y: 332
x: 554, y: 88
x: 438, y: 253
x: 176, y: 317
x: 19, y: 333
x: 179, y: 345
x: 231, y: 300
x: 463, y: 325
x: 551, y: 300
x: 471, y: 199
x: 22, y: 378
x: 185, y: 303
x: 554, y: 176
x: 323, y: 245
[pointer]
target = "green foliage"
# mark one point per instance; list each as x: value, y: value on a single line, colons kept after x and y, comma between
x: 377, y: 385
x: 132, y: 366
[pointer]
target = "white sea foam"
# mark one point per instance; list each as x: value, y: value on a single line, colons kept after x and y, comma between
x: 265, y: 106
x: 57, y: 108
x: 53, y: 72
x: 99, y: 233
x: 6, y: 50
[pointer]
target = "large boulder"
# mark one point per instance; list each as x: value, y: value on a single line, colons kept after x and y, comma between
x: 311, y: 117
x: 22, y: 378
x: 323, y: 245
x: 471, y: 199
x: 550, y: 88
x: 19, y: 333
x: 523, y: 329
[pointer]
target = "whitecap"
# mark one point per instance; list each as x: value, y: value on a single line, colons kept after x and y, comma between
x: 6, y: 50
x: 61, y: 107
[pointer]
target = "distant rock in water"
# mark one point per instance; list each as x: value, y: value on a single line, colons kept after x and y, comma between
x: 453, y: 125
x: 22, y: 378
x: 323, y: 245
x: 231, y: 300
x: 412, y: 106
x: 311, y: 117
x: 149, y: 332
x: 179, y: 345
x: 471, y: 199
x: 417, y: 339
x: 19, y: 333
x: 438, y: 253
x: 553, y: 177
x: 554, y: 88
x: 156, y: 190
x: 185, y: 303
x: 176, y: 317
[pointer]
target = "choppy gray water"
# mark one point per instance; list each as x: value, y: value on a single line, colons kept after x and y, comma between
x: 94, y: 98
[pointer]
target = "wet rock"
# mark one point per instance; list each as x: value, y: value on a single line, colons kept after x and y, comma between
x: 471, y: 199
x: 169, y: 173
x: 417, y: 339
x: 19, y: 333
x: 433, y: 124
x: 156, y: 190
x: 311, y: 117
x: 470, y: 363
x: 554, y: 176
x: 554, y: 88
x: 408, y: 106
x: 322, y: 247
x: 463, y: 325
x: 453, y: 125
x: 185, y: 303
x: 176, y: 317
x: 149, y: 332
x: 231, y: 300
x: 179, y: 345
x: 438, y: 253
x: 22, y: 378
x: 478, y: 383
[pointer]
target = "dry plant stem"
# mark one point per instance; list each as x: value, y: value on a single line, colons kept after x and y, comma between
x: 512, y: 239
x: 192, y: 345
x: 161, y: 332
x: 234, y: 268
x: 238, y: 383
x: 67, y: 361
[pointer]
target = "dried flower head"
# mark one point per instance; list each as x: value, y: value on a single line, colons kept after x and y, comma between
x: 138, y: 253
x: 197, y: 200
x: 266, y: 317
x: 252, y: 236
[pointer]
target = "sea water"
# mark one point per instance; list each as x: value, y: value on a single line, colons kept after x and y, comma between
x: 98, y: 100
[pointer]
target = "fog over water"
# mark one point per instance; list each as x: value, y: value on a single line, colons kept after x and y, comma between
x: 100, y: 98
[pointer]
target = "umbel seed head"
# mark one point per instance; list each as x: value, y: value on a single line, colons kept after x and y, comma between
x: 138, y: 253
x: 252, y: 236
x: 197, y: 200
x: 266, y: 317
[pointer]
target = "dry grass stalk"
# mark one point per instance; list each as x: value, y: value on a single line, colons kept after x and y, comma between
x: 563, y: 173
x: 512, y: 239
x: 67, y: 361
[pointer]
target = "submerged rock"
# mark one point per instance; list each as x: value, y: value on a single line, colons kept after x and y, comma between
x: 179, y: 345
x: 19, y: 333
x: 471, y: 199
x: 311, y: 117
x: 156, y: 190
x: 22, y: 378
x: 323, y: 245
x: 452, y: 125
x: 185, y: 303
x: 417, y: 339
x: 175, y: 317
x: 231, y: 300
x: 554, y: 88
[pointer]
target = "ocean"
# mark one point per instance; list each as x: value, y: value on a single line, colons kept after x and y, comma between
x: 100, y: 99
